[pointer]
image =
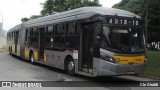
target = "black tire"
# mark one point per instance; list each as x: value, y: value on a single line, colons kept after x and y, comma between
x: 10, y: 51
x: 31, y: 58
x: 71, y: 67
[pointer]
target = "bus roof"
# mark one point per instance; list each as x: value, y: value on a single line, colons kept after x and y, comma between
x: 15, y: 28
x: 79, y: 13
x: 86, y: 10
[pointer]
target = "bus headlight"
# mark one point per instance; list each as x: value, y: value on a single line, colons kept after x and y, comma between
x: 107, y: 57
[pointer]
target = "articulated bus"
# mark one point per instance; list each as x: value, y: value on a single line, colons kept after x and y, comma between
x: 90, y: 41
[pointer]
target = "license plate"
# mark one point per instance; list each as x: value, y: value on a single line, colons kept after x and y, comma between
x: 130, y: 72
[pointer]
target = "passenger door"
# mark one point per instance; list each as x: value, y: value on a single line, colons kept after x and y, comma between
x: 86, y: 47
x: 16, y: 40
x: 41, y: 43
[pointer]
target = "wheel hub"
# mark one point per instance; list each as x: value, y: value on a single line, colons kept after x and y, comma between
x: 32, y: 59
x: 70, y: 65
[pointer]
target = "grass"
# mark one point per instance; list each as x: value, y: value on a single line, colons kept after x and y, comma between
x: 153, y: 64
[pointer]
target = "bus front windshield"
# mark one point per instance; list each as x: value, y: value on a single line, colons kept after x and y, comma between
x: 122, y: 39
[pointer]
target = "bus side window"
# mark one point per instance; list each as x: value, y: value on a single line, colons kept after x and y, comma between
x: 71, y: 29
x: 59, y: 36
x: 59, y: 42
x: 26, y: 36
x: 50, y: 36
x: 34, y: 36
x: 30, y: 31
x: 98, y: 31
x: 71, y: 36
x: 60, y: 29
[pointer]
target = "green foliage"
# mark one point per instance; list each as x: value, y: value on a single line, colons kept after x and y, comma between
x: 24, y: 19
x: 35, y: 17
x: 54, y: 6
x: 31, y: 18
x: 135, y: 6
x: 153, y: 64
x: 153, y: 18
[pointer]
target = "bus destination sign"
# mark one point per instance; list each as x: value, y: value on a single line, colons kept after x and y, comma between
x: 123, y: 21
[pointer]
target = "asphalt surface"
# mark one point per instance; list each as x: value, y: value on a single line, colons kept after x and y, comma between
x: 13, y: 68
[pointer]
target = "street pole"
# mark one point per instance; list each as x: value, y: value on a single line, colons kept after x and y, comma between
x: 146, y: 19
x: 1, y: 33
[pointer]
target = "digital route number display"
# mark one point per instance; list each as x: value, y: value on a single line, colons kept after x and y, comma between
x: 123, y: 21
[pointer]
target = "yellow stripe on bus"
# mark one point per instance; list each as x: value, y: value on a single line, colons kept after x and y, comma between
x: 45, y: 58
x: 26, y: 53
x: 35, y: 55
x: 130, y: 59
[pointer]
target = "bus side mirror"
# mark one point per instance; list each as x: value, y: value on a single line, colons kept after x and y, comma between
x: 97, y: 47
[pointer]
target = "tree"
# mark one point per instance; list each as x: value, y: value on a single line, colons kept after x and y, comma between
x: 31, y: 18
x: 35, y: 17
x: 24, y: 19
x: 135, y: 6
x: 146, y: 17
x: 54, y: 6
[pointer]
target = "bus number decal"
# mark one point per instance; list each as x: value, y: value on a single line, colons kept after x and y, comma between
x: 125, y: 22
x: 110, y: 21
x: 137, y: 23
x: 121, y: 21
x: 116, y: 21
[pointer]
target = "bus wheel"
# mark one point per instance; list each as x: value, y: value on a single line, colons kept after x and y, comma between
x: 71, y: 67
x: 32, y: 58
x: 10, y: 51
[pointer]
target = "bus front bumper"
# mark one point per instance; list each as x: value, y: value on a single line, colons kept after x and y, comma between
x: 105, y: 68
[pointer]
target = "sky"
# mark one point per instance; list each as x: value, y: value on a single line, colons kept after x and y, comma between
x: 13, y: 10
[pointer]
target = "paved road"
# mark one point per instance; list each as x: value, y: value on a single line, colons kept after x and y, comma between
x: 13, y: 68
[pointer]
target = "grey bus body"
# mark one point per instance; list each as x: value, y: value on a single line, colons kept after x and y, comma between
x: 86, y: 61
